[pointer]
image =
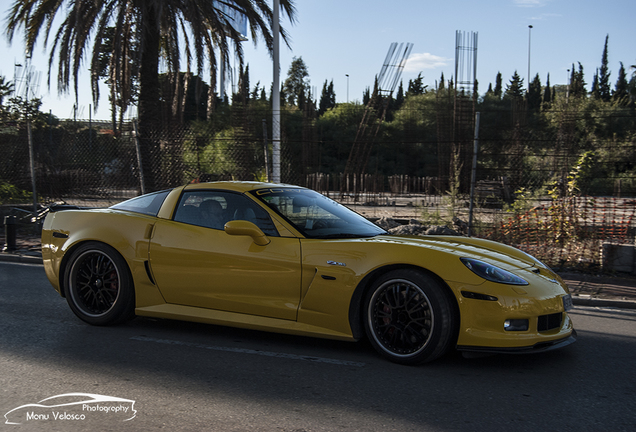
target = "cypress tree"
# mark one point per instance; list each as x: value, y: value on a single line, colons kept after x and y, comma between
x: 534, y: 94
x: 604, y: 74
x: 596, y: 94
x: 399, y: 98
x: 498, y: 85
x: 577, y: 82
x: 366, y: 96
x: 620, y: 91
x: 547, y: 95
x: 323, y: 105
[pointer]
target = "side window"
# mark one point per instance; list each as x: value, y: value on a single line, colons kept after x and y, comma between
x: 147, y: 204
x: 203, y: 208
x: 212, y: 209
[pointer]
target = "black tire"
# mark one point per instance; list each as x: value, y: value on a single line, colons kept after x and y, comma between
x: 409, y: 317
x: 98, y: 285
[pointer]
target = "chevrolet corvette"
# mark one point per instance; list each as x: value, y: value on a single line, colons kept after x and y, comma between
x: 287, y: 259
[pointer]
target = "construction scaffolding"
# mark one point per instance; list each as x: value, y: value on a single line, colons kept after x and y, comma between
x: 456, y: 117
x: 375, y: 111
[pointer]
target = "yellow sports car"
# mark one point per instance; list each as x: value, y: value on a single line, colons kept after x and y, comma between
x: 287, y: 259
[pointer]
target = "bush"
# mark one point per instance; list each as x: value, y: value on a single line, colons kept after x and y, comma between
x: 9, y: 194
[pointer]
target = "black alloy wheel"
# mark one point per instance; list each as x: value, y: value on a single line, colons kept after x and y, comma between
x: 409, y: 318
x: 99, y: 287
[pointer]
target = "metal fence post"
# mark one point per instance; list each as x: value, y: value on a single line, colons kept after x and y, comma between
x: 33, y: 177
x: 473, y: 175
x: 142, y: 182
x: 9, y: 234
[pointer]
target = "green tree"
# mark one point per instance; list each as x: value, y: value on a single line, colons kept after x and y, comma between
x: 498, y: 85
x: 327, y: 98
x: 490, y: 91
x: 296, y: 86
x: 514, y: 90
x: 547, y: 94
x: 6, y: 89
x: 366, y: 96
x: 577, y: 82
x: 242, y: 94
x: 595, y: 91
x: 399, y: 97
x: 123, y: 81
x: 158, y: 28
x: 534, y: 94
x: 416, y: 86
x: 621, y: 90
x: 604, y: 91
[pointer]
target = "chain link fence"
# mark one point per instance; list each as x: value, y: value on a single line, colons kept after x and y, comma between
x: 525, y: 172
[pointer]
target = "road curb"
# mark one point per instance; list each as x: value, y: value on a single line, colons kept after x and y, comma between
x: 598, y: 302
x: 19, y: 258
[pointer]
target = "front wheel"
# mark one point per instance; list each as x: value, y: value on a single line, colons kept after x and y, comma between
x: 99, y: 288
x: 409, y: 317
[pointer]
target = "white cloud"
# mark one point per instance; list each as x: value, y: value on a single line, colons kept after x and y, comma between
x: 419, y: 61
x: 546, y: 16
x: 530, y: 3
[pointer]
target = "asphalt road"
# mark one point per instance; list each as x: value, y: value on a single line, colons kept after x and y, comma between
x: 194, y: 377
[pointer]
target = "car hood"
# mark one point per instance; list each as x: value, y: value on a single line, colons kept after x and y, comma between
x: 489, y: 251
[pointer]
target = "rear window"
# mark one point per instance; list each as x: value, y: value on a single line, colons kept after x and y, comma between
x: 146, y: 204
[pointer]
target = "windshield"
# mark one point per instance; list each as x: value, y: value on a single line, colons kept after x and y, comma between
x: 315, y: 215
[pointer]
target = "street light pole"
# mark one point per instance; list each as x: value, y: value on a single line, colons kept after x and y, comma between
x: 347, y: 75
x: 529, y: 43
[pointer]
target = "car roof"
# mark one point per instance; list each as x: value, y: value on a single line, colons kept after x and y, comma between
x: 238, y: 186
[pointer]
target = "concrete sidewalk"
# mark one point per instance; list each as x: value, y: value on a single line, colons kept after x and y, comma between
x: 587, y: 289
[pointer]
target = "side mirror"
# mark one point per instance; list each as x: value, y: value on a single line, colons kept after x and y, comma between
x: 245, y: 228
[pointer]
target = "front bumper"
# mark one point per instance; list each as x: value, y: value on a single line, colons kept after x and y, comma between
x: 536, y: 348
x: 541, y: 305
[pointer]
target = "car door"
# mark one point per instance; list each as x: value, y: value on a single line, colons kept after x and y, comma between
x: 196, y: 263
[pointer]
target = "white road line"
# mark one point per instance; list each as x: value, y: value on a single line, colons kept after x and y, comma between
x: 250, y: 351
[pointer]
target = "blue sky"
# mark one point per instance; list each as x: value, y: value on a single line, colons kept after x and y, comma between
x: 340, y: 37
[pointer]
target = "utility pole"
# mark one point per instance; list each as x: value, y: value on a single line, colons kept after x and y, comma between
x: 529, y: 42
x: 276, y: 97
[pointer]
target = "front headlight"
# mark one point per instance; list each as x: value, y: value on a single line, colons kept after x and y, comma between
x: 492, y: 273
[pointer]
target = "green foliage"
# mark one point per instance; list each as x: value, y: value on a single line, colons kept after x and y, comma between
x: 327, y: 98
x: 604, y: 91
x: 498, y: 86
x: 577, y: 82
x: 433, y: 218
x: 514, y: 90
x: 9, y: 194
x: 534, y: 94
x: 296, y: 86
x: 227, y: 154
x: 524, y: 200
x: 416, y: 86
x: 581, y: 175
x: 621, y: 91
x: 547, y: 93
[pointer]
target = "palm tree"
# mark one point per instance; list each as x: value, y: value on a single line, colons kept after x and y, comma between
x: 6, y: 89
x: 145, y: 32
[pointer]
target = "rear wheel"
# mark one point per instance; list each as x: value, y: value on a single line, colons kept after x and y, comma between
x: 409, y: 317
x: 99, y: 288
